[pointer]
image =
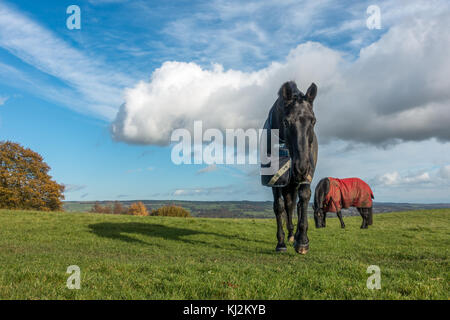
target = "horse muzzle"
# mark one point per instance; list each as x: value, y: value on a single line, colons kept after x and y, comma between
x: 302, y: 179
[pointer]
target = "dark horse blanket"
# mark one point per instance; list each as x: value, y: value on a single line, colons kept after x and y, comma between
x: 282, y: 175
x: 345, y: 193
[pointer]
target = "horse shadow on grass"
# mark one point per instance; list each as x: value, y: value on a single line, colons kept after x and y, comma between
x: 121, y: 231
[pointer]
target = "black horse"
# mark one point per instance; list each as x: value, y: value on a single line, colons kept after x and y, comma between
x: 292, y: 114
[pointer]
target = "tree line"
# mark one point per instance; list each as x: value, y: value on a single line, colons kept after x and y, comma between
x: 139, y: 209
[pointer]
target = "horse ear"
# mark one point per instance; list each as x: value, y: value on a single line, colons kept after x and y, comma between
x: 285, y: 91
x: 311, y: 93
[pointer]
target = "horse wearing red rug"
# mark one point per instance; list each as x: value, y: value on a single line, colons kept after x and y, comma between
x: 333, y: 195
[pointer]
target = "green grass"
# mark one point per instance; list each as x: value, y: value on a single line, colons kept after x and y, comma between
x: 125, y: 257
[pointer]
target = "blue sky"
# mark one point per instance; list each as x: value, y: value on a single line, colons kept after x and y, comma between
x: 61, y: 91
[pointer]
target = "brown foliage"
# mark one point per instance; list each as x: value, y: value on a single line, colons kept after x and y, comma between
x: 138, y: 209
x: 118, y: 208
x: 25, y: 182
x: 171, y: 211
x: 98, y: 208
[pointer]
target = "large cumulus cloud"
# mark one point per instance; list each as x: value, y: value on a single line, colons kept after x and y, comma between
x: 397, y: 89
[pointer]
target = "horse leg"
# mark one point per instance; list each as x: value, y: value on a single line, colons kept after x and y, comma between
x: 367, y: 215
x: 301, y: 243
x: 290, y: 197
x: 370, y: 216
x: 339, y: 214
x: 278, y: 208
x: 364, y: 217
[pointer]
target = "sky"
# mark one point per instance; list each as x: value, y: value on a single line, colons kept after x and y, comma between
x: 99, y: 103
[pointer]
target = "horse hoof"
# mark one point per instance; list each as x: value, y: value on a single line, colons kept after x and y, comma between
x: 342, y: 227
x: 291, y: 239
x: 280, y: 249
x: 302, y: 249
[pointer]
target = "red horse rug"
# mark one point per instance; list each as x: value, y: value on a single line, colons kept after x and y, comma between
x: 345, y: 193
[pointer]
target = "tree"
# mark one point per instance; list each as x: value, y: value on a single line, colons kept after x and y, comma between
x: 25, y: 182
x: 118, y: 208
x: 98, y: 208
x: 171, y: 211
x: 107, y: 209
x: 138, y: 209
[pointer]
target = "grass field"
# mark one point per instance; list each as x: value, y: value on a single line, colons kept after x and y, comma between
x: 126, y: 257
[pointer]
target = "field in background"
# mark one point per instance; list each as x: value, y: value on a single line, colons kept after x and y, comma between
x: 130, y: 257
x: 242, y: 209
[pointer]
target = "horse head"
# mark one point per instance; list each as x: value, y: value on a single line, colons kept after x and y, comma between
x: 296, y: 123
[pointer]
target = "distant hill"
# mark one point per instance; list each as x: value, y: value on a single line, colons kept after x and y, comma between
x: 243, y: 209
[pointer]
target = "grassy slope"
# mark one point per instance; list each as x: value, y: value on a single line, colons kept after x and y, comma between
x: 124, y: 257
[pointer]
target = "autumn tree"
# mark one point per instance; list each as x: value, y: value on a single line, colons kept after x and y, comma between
x: 171, y: 211
x: 107, y: 209
x: 97, y: 208
x: 118, y: 208
x: 138, y: 209
x: 25, y: 182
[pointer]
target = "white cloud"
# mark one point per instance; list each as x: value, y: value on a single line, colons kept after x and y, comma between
x: 43, y: 89
x: 396, y: 90
x: 394, y: 178
x: 187, y: 192
x: 205, y: 191
x: 98, y: 87
x: 433, y: 178
x: 179, y: 93
x: 247, y: 34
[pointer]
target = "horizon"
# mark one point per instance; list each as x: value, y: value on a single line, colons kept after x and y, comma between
x: 183, y: 200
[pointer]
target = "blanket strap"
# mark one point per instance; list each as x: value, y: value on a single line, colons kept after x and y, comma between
x: 280, y: 172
